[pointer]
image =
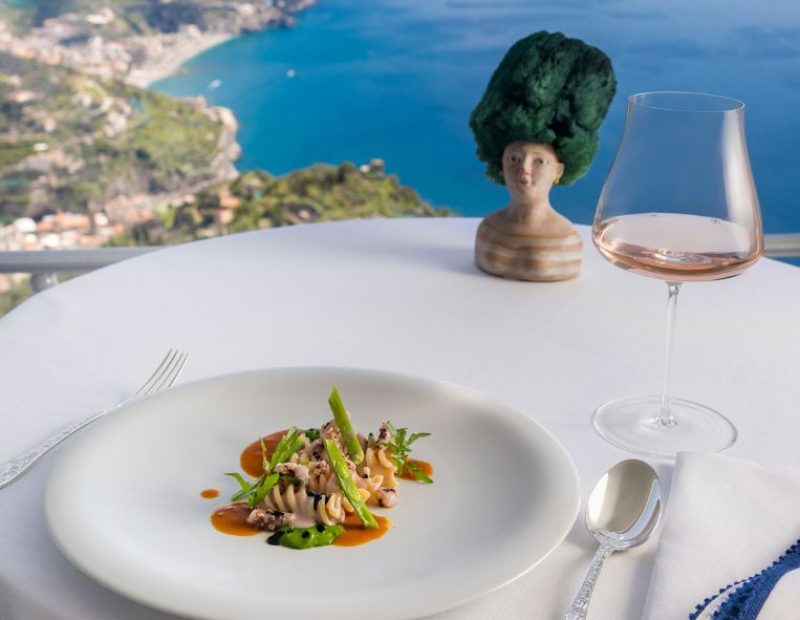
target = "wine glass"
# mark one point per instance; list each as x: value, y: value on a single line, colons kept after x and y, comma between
x: 679, y: 204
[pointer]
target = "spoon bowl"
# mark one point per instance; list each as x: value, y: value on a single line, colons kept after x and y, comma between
x: 625, y: 505
x: 622, y: 511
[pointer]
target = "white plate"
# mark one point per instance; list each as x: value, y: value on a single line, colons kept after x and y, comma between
x: 123, y: 503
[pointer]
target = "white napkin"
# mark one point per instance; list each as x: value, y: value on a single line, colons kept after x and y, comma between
x: 726, y: 521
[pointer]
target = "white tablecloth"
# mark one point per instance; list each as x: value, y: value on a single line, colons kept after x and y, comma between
x: 398, y: 295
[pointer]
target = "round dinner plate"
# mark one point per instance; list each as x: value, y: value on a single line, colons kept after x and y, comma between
x: 123, y: 503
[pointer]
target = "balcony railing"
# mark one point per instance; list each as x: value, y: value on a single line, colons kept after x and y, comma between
x: 45, y: 265
x: 782, y: 246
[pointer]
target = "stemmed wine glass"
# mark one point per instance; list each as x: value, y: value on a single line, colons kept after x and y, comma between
x: 679, y: 204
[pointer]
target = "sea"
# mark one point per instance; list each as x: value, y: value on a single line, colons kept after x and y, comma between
x: 397, y: 79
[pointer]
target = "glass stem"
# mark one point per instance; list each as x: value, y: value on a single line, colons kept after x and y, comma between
x: 665, y: 416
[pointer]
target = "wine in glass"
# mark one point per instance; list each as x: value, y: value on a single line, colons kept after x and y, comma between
x: 679, y: 204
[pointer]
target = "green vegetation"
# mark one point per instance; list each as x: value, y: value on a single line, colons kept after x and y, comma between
x: 21, y: 291
x: 16, y: 295
x: 88, y: 140
x: 18, y: 19
x: 13, y: 152
x: 172, y: 141
x: 321, y: 193
x: 256, y: 199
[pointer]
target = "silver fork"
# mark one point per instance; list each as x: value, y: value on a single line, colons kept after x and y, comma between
x: 162, y: 378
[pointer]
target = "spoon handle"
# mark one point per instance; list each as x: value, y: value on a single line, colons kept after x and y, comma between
x: 579, y: 607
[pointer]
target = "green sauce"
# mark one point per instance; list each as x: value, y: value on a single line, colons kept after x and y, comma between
x: 306, y: 537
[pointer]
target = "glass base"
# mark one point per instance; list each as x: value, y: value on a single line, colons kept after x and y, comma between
x: 634, y: 424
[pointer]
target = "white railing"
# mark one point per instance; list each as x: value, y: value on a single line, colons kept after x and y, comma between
x: 45, y: 265
x: 782, y: 246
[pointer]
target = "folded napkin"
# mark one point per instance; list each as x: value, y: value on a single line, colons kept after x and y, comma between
x: 729, y: 545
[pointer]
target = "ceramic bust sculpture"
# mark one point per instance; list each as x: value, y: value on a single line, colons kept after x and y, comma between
x: 536, y: 127
x: 529, y: 240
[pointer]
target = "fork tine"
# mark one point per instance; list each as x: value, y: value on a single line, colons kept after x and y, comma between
x: 153, y: 379
x: 171, y: 374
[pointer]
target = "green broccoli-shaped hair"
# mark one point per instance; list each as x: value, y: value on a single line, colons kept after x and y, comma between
x: 547, y: 89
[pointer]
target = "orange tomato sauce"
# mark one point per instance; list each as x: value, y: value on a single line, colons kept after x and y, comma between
x: 250, y: 459
x: 423, y: 465
x: 232, y: 519
x: 356, y: 534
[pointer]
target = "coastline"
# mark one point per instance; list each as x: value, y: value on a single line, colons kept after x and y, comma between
x: 176, y: 53
x: 181, y: 48
x: 80, y: 42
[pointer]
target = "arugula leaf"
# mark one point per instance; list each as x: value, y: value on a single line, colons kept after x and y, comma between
x: 246, y: 487
x: 290, y: 443
x: 418, y: 472
x: 255, y: 492
x: 399, y: 447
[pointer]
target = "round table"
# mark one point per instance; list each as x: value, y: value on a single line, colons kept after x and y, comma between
x: 399, y: 295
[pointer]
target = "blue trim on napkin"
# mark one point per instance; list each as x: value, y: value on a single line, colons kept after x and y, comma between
x: 747, y: 597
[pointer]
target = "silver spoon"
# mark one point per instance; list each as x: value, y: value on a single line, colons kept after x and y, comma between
x: 621, y: 512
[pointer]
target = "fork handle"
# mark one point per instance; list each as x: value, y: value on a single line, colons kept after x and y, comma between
x: 13, y: 468
x: 580, y: 606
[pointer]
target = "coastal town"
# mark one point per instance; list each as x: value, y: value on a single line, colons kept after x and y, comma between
x: 109, y: 44
x: 87, y: 155
x: 251, y: 200
x: 75, y: 147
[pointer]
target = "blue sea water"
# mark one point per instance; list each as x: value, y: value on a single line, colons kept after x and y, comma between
x: 397, y: 79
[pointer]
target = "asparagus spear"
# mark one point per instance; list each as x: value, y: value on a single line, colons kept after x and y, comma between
x: 348, y: 485
x: 342, y: 419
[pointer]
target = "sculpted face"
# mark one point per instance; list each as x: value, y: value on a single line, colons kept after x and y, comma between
x: 530, y: 169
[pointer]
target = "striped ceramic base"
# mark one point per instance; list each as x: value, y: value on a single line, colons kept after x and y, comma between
x: 528, y: 257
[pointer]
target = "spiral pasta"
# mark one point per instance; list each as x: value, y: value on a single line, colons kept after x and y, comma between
x: 380, y: 464
x: 308, y: 507
x: 327, y: 483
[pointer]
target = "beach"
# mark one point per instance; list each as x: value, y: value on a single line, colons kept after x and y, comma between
x: 168, y: 52
x: 175, y: 52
